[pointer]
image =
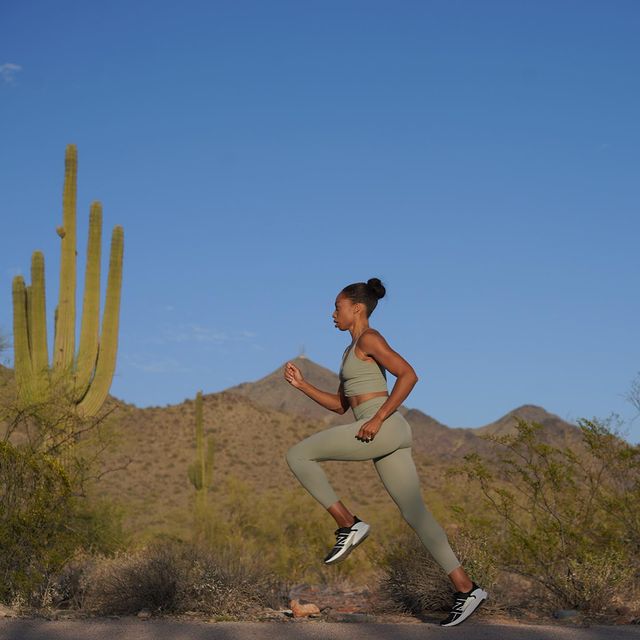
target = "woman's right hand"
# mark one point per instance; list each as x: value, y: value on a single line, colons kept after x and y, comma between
x: 293, y: 375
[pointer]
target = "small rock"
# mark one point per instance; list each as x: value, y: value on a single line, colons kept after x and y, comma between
x: 302, y: 610
x: 565, y: 613
x: 143, y: 614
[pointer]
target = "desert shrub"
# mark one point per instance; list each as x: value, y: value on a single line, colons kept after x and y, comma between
x: 68, y: 588
x: 614, y: 479
x: 99, y: 524
x: 43, y: 524
x: 554, y: 514
x: 414, y: 583
x: 131, y: 581
x: 36, y: 505
x: 172, y: 576
x: 596, y: 578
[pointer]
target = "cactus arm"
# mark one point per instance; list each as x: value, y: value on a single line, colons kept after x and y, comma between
x: 88, y: 350
x: 38, y: 325
x: 22, y: 358
x: 106, y: 363
x: 28, y: 305
x: 64, y: 346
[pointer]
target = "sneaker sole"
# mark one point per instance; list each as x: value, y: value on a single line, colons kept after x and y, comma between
x: 356, y: 541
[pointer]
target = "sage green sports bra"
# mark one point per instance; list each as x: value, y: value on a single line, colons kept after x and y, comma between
x: 360, y: 376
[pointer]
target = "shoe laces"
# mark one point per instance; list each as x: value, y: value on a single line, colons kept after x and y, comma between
x: 341, y: 535
x: 345, y: 530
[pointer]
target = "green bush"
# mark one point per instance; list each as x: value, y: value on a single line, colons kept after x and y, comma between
x: 43, y: 524
x: 559, y: 517
x: 35, y: 507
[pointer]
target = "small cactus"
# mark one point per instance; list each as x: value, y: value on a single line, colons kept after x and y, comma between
x: 201, y: 470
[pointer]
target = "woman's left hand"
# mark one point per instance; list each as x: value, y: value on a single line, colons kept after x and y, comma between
x: 369, y: 429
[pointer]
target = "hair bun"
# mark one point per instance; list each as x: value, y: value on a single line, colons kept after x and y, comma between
x: 377, y: 287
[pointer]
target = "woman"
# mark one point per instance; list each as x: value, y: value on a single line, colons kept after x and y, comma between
x: 379, y: 433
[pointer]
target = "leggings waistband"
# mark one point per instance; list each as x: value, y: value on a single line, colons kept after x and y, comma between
x: 368, y: 408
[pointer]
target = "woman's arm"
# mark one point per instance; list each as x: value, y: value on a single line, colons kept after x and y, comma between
x: 374, y: 345
x: 332, y: 401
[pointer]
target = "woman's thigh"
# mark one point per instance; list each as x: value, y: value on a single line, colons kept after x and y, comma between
x: 340, y: 442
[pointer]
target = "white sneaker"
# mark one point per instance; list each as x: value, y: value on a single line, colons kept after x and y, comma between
x: 464, y: 605
x: 347, y: 539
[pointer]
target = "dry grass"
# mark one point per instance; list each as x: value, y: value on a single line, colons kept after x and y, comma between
x: 414, y: 583
x: 168, y: 576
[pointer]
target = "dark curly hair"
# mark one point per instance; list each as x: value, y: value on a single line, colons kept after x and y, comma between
x: 368, y: 293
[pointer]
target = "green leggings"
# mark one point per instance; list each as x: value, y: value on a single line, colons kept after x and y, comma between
x: 390, y: 451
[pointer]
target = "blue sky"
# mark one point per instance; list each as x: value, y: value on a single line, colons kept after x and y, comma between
x: 481, y: 158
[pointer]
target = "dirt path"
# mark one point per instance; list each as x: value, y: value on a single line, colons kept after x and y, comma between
x: 131, y: 628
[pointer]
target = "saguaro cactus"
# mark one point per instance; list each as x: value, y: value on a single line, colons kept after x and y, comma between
x: 87, y: 377
x: 201, y: 469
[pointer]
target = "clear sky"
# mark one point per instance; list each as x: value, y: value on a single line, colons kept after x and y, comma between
x: 481, y: 158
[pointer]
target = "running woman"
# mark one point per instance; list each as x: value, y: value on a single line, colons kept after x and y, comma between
x: 379, y: 433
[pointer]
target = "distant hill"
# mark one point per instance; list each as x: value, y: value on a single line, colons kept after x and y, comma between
x: 274, y: 392
x: 442, y: 442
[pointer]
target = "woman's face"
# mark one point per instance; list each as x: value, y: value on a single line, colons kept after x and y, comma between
x: 343, y: 316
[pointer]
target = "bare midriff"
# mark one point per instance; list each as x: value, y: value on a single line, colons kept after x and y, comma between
x: 354, y: 401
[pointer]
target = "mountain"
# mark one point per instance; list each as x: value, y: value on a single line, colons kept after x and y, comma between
x: 274, y: 392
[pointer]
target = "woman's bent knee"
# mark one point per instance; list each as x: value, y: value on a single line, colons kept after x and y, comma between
x: 293, y: 455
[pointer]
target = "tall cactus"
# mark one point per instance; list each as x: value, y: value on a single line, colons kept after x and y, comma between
x: 200, y: 471
x: 87, y: 377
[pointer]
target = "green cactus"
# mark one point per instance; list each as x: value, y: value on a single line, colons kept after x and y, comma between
x: 91, y: 371
x: 200, y: 471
